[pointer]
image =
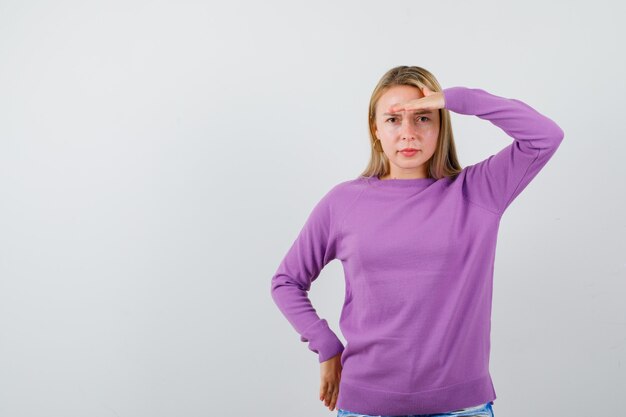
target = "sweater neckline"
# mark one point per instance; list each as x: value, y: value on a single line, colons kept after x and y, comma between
x: 400, y: 182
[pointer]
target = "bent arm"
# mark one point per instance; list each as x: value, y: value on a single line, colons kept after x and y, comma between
x: 314, y: 247
x: 496, y: 181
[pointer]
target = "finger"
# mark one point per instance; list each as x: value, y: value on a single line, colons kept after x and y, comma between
x: 332, y: 395
x: 415, y: 104
x: 323, y: 388
x: 333, y: 403
x: 329, y: 395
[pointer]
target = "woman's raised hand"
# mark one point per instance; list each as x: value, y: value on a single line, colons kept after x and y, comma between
x: 431, y: 101
x: 330, y: 371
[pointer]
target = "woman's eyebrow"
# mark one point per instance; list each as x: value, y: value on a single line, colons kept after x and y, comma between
x: 416, y: 112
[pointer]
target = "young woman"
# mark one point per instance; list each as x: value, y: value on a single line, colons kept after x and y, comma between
x: 416, y: 235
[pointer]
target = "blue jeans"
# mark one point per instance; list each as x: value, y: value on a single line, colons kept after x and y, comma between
x: 484, y: 410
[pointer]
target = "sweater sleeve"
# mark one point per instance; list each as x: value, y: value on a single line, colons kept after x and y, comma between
x: 314, y: 247
x: 495, y: 182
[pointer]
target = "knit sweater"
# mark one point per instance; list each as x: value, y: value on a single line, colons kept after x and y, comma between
x: 418, y: 258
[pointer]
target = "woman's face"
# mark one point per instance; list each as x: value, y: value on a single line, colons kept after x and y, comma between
x: 406, y: 129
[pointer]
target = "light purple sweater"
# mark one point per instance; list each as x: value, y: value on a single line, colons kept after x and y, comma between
x: 418, y: 257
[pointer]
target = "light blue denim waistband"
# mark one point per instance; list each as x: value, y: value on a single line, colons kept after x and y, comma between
x: 482, y: 410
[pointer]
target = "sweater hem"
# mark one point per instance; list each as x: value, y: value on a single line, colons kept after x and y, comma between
x: 374, y: 402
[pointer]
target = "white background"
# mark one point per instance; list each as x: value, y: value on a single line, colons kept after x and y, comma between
x: 158, y: 158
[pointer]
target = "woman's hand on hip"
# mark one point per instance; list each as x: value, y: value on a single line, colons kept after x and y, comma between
x: 330, y: 372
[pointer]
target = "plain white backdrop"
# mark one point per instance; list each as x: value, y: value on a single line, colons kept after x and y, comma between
x: 158, y: 158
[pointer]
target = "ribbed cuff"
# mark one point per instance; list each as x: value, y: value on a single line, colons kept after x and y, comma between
x: 322, y: 340
x: 455, y: 99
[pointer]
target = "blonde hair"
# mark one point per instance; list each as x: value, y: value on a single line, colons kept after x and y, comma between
x: 444, y: 162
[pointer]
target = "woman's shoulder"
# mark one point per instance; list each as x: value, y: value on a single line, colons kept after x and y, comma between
x: 349, y: 187
x: 343, y: 193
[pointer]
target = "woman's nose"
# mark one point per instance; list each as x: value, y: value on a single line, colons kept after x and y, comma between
x: 408, y: 130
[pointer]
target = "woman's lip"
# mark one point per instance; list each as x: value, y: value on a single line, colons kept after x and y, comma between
x: 411, y: 152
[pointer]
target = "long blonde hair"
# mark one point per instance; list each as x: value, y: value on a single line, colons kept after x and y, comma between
x: 444, y: 162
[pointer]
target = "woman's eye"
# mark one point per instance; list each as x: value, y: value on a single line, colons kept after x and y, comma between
x: 392, y: 119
